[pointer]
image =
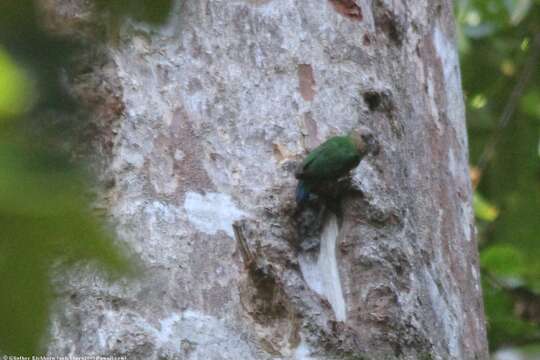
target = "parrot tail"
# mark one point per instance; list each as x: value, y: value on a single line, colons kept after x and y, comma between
x: 302, y: 192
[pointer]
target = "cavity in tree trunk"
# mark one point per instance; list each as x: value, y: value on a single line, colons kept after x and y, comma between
x: 203, y: 121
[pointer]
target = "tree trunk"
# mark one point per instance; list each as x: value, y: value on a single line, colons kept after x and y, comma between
x: 218, y: 106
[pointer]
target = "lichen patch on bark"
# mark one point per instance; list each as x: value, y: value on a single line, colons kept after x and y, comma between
x: 212, y: 212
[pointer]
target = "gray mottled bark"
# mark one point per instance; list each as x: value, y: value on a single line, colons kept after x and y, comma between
x: 211, y: 112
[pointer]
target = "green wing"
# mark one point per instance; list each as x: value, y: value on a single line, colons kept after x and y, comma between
x: 331, y: 160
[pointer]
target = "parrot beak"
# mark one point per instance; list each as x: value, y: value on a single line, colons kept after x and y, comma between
x: 372, y: 145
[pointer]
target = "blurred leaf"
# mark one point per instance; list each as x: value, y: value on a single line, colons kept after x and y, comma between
x: 530, y: 103
x: 478, y: 101
x: 504, y: 327
x: 503, y: 260
x: 42, y: 54
x: 24, y: 303
x: 45, y: 220
x: 479, y: 31
x: 508, y: 67
x: 15, y: 88
x: 488, y: 11
x: 45, y: 217
x: 483, y: 210
x: 524, y: 46
x: 517, y: 9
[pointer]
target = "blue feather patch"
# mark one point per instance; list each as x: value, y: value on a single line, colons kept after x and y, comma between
x: 302, y: 192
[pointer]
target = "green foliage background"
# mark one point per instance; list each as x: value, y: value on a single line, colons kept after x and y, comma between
x: 46, y: 219
x: 499, y: 43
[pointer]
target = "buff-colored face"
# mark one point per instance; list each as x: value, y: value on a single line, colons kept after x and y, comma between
x: 364, y: 140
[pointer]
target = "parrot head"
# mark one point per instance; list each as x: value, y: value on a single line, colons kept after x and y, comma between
x: 365, y: 141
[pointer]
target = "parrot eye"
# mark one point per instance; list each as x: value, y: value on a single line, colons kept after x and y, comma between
x: 371, y: 145
x: 367, y: 138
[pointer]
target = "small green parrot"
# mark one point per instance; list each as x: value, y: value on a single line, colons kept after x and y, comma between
x: 332, y: 160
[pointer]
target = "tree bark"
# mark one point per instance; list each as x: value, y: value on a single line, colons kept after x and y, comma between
x: 211, y: 113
